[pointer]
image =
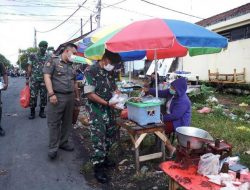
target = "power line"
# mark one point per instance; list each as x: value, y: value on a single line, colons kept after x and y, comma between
x: 114, y: 4
x: 31, y: 14
x: 55, y: 2
x: 139, y: 13
x: 44, y: 20
x: 77, y: 31
x: 64, y: 20
x: 171, y: 9
x: 47, y: 6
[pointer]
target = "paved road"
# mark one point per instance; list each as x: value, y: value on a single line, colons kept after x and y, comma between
x: 23, y: 152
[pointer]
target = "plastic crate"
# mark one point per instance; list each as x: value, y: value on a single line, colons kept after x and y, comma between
x: 144, y: 113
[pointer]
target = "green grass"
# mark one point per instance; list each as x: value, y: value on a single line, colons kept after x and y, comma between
x: 236, y: 133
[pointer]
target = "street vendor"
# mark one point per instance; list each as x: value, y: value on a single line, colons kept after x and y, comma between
x: 99, y: 86
x: 152, y: 80
x: 178, y: 106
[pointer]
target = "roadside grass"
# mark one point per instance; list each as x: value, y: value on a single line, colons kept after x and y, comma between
x: 219, y: 126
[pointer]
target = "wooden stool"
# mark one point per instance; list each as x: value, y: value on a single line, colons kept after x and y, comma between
x: 137, y: 134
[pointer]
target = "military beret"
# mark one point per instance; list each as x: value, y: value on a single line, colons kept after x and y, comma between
x: 43, y: 43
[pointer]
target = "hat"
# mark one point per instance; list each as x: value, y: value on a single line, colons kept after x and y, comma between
x: 43, y: 43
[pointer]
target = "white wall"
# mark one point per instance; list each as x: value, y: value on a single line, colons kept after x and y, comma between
x: 237, y: 56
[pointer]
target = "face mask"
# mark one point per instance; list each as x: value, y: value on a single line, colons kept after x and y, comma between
x: 109, y: 67
x: 71, y: 58
x: 43, y: 50
x: 171, y: 91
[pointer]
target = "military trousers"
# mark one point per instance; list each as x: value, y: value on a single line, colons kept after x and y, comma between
x: 0, y: 109
x: 59, y: 118
x: 35, y: 87
x: 102, y: 131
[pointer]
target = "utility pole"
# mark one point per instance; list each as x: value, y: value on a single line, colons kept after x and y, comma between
x: 90, y: 22
x: 98, y: 16
x: 35, y: 38
x: 81, y: 26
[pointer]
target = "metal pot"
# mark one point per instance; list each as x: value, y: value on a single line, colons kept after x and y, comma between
x: 197, y: 137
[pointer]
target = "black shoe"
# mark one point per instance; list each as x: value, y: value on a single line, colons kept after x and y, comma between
x: 2, y: 132
x: 108, y: 163
x: 32, y: 113
x: 67, y: 147
x: 52, y: 155
x: 100, y: 175
x: 41, y: 113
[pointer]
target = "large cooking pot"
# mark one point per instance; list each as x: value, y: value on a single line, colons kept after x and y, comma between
x: 197, y: 137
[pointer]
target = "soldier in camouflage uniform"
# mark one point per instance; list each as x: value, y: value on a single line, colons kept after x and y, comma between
x: 99, y: 86
x: 35, y: 74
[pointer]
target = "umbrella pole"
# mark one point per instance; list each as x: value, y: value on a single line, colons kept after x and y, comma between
x: 129, y: 74
x: 156, y: 78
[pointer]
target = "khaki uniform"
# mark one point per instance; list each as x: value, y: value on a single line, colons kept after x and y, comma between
x: 60, y: 115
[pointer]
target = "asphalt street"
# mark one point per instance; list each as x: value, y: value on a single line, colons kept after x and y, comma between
x: 24, y: 164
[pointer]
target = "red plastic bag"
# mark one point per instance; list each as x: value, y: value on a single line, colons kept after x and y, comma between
x: 25, y: 97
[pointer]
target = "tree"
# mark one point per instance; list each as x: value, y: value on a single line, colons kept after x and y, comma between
x: 5, y: 61
x: 24, y: 57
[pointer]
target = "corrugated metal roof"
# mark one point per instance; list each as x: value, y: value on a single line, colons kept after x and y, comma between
x: 242, y: 10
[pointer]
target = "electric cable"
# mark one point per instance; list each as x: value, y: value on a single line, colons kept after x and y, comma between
x: 171, y: 9
x: 64, y: 20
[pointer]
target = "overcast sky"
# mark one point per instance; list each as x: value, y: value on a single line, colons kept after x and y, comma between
x: 18, y: 18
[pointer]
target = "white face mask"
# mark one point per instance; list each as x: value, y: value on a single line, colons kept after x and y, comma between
x: 71, y: 58
x: 109, y: 67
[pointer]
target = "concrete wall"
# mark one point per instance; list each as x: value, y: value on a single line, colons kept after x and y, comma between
x: 237, y: 56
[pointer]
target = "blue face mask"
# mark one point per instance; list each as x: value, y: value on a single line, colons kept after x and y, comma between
x: 171, y: 91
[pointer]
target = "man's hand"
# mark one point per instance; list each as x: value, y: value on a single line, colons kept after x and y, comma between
x: 117, y: 91
x: 112, y: 106
x: 27, y: 82
x: 5, y: 86
x: 53, y: 99
x: 77, y: 102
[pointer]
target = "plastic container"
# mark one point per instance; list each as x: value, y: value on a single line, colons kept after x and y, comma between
x: 144, y: 113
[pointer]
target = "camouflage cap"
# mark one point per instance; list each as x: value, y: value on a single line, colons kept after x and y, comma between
x: 43, y: 43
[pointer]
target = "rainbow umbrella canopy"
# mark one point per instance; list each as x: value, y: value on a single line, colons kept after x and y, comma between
x: 82, y: 60
x: 158, y: 39
x: 96, y: 35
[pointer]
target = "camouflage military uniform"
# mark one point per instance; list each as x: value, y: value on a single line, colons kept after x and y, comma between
x: 102, y: 83
x: 37, y: 62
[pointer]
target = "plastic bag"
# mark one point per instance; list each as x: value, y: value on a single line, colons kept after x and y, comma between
x: 25, y: 97
x: 209, y: 164
x: 119, y: 100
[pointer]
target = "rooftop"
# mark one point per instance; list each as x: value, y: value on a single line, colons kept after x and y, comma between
x: 242, y: 10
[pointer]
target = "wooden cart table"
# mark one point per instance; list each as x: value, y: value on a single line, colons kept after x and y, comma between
x: 188, y: 178
x: 137, y: 133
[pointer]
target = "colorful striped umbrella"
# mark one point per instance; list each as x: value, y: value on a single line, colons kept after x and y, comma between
x: 158, y: 38
x: 82, y: 60
x: 94, y: 36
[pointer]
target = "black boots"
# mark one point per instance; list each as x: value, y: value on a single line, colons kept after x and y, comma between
x: 99, y: 170
x: 2, y: 132
x: 100, y: 175
x: 41, y: 113
x: 108, y: 163
x: 32, y: 113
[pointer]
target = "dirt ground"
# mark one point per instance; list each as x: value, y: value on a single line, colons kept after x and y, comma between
x: 124, y: 176
x: 229, y: 102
